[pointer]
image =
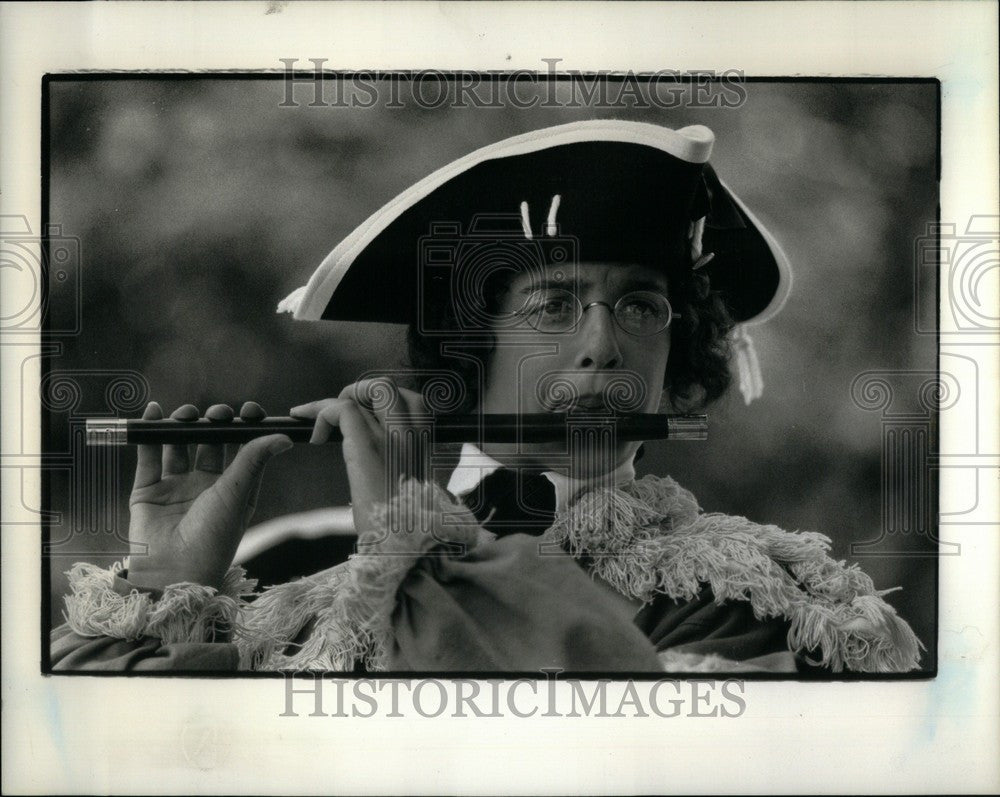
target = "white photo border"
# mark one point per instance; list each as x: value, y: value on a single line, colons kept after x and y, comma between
x: 227, y: 736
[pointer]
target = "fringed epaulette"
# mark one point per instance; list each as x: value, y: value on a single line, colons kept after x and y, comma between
x: 339, y: 618
x: 649, y: 537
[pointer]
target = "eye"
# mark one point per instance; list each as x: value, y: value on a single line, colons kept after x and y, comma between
x: 643, y: 312
x: 552, y: 310
x: 639, y: 308
x: 554, y: 306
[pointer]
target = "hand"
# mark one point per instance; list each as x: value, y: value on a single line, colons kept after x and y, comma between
x: 366, y: 442
x: 191, y: 519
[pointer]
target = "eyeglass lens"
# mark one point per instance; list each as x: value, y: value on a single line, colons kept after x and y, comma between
x: 639, y: 313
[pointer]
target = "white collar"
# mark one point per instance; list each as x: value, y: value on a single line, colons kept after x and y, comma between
x: 474, y: 466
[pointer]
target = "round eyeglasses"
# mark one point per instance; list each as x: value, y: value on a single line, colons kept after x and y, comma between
x: 639, y: 313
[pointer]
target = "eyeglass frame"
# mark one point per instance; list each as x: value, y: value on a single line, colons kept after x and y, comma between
x: 671, y: 315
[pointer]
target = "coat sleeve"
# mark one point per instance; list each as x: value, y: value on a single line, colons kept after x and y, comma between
x: 111, y: 625
x: 72, y: 652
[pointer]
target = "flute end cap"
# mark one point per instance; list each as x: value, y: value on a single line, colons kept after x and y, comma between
x: 106, y: 432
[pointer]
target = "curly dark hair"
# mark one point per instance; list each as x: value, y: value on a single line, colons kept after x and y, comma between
x: 697, y: 368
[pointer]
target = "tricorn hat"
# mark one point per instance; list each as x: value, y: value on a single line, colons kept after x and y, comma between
x: 607, y: 191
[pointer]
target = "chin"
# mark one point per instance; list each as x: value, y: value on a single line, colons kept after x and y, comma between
x: 586, y: 464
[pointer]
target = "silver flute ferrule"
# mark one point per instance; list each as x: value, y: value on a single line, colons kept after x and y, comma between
x: 688, y: 428
x: 107, y: 431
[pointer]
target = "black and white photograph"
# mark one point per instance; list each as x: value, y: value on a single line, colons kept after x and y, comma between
x: 521, y: 391
x: 594, y: 412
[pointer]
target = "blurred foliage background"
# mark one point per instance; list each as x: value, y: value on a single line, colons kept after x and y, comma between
x: 200, y: 203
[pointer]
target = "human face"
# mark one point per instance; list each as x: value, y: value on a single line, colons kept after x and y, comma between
x: 533, y: 371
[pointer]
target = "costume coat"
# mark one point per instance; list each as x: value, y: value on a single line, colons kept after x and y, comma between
x: 634, y: 578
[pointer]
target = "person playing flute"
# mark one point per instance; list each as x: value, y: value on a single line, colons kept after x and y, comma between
x: 590, y: 267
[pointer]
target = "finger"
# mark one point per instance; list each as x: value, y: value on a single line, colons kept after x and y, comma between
x: 252, y: 411
x: 251, y: 504
x: 331, y: 418
x: 357, y: 424
x: 363, y: 394
x: 219, y: 412
x: 358, y: 391
x: 367, y: 392
x: 327, y: 419
x: 148, y: 466
x: 406, y: 451
x: 242, y: 479
x: 212, y: 458
x: 414, y: 401
x: 176, y: 458
x: 312, y: 409
x: 373, y: 420
x: 401, y: 440
x: 369, y: 482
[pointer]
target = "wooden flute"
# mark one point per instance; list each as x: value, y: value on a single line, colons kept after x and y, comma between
x: 540, y: 427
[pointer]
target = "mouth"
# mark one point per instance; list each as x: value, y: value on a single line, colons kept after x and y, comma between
x: 587, y: 402
x: 592, y: 401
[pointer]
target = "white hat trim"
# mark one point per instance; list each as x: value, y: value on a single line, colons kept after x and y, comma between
x: 781, y: 260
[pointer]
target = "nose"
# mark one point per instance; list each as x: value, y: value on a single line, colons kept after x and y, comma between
x: 598, y: 336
